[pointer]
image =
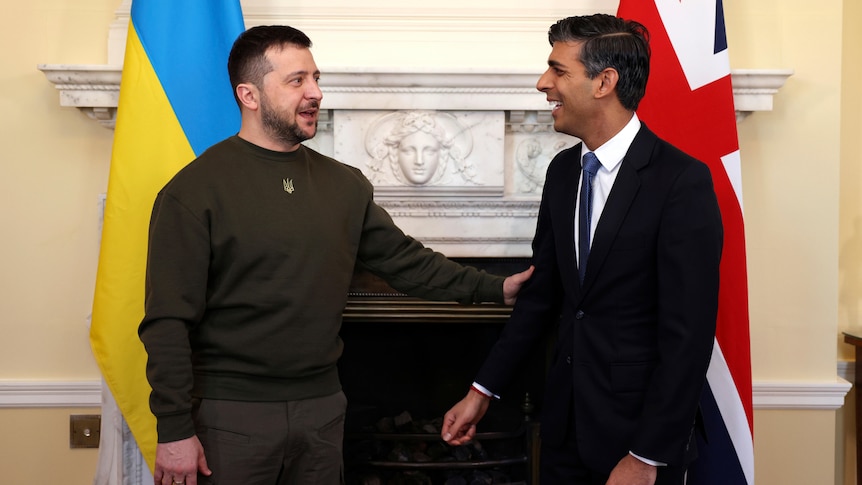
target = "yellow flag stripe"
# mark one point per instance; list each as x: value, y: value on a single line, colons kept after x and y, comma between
x: 149, y: 148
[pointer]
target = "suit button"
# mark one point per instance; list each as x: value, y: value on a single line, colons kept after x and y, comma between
x: 579, y: 315
x: 569, y: 360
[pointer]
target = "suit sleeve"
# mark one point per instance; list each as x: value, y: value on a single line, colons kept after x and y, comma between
x: 689, y: 253
x: 537, y: 309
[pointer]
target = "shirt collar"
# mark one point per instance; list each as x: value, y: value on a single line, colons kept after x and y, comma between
x: 611, y: 153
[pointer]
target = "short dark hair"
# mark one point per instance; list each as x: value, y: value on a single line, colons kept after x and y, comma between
x: 610, y: 41
x: 247, y: 62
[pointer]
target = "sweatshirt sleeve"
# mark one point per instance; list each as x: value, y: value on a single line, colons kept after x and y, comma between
x: 177, y: 266
x: 418, y: 271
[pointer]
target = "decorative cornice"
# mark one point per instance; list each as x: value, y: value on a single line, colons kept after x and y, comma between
x: 800, y: 395
x: 754, y: 89
x: 434, y: 241
x: 459, y: 208
x: 521, y: 121
x: 94, y: 89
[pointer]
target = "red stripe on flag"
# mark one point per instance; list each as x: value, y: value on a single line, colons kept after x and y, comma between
x: 703, y: 124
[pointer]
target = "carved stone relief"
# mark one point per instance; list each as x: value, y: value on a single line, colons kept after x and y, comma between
x: 423, y: 152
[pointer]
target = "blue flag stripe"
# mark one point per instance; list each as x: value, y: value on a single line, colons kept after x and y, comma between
x: 191, y: 63
x: 717, y: 461
x: 720, y: 32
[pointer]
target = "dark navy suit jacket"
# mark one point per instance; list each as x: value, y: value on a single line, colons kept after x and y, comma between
x: 634, y: 341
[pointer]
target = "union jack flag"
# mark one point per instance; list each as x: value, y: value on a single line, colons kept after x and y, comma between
x: 689, y: 102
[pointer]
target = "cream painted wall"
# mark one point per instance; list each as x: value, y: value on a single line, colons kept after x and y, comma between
x: 791, y: 211
x: 789, y: 448
x: 35, y: 448
x: 850, y: 218
x: 792, y: 172
x: 53, y: 168
x: 850, y: 234
x: 801, y: 296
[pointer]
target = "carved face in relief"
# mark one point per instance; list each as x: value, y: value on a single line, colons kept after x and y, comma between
x: 419, y: 157
x: 419, y: 148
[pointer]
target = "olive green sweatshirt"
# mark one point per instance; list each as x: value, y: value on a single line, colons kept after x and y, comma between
x: 251, y: 253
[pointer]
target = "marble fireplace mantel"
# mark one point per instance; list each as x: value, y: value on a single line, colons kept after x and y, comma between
x: 94, y: 89
x: 492, y: 136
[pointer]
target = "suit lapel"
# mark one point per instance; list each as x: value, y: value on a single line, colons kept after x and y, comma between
x: 622, y: 195
x: 569, y: 262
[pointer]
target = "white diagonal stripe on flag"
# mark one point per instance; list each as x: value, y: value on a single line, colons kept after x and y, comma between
x: 685, y: 22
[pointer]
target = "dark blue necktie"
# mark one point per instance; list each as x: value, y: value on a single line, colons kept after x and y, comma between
x: 585, y: 214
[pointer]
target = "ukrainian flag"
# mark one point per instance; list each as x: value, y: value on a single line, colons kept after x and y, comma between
x: 175, y: 101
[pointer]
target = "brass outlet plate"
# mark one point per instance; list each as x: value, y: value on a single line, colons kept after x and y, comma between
x: 85, y: 430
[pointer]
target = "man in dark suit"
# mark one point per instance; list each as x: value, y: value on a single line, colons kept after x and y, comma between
x: 635, y: 330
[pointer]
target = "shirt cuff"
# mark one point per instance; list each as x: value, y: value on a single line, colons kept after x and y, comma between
x: 482, y: 390
x: 648, y: 461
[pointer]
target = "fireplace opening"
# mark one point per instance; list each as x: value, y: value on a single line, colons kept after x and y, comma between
x: 405, y: 363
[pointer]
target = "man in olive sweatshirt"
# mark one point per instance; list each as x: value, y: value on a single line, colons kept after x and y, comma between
x: 252, y: 247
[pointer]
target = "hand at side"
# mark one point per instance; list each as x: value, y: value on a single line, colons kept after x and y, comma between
x: 631, y: 471
x: 459, y: 423
x: 180, y: 461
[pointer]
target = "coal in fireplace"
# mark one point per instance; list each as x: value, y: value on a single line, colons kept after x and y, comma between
x: 406, y: 362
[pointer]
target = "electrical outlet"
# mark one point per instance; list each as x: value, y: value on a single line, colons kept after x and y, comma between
x: 85, y: 430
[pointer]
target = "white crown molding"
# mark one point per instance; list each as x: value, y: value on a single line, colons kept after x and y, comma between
x: 767, y: 395
x: 802, y: 395
x: 94, y: 89
x: 50, y: 394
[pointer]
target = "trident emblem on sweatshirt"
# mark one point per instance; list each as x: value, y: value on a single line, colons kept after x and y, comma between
x: 288, y: 185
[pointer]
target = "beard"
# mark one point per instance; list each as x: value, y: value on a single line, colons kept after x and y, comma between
x: 282, y: 129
